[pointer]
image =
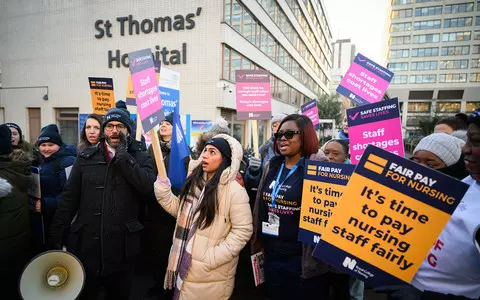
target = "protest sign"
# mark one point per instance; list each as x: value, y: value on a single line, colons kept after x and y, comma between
x: 147, y: 95
x: 130, y: 98
x: 390, y: 215
x: 310, y: 109
x: 322, y: 188
x: 253, y: 95
x: 101, y: 90
x: 145, y: 86
x: 365, y: 81
x: 378, y: 124
x: 169, y: 89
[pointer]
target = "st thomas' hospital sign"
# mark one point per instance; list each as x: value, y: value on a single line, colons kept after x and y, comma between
x: 128, y: 25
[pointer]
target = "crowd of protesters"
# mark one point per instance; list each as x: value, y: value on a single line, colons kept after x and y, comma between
x: 105, y: 201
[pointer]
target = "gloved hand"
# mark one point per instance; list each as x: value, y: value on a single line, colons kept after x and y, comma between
x: 254, y: 164
x: 121, y: 150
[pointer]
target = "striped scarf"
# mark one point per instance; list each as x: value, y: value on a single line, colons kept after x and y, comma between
x: 180, y: 257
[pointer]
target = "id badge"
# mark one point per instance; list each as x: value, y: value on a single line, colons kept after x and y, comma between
x: 272, y: 227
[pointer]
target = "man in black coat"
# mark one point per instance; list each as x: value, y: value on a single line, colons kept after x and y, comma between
x: 102, y: 197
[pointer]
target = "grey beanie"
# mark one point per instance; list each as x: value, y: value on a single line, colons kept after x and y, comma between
x: 277, y: 118
x: 448, y: 148
x: 219, y: 127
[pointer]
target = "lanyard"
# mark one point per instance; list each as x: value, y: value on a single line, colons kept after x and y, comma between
x: 277, y: 186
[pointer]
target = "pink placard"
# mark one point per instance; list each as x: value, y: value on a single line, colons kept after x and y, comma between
x: 253, y: 95
x: 377, y: 124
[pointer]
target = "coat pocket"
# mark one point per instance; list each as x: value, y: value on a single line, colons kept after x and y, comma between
x: 75, y: 238
x: 132, y: 238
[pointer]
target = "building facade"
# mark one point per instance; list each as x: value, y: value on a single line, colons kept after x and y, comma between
x: 50, y: 48
x: 435, y: 55
x: 342, y: 57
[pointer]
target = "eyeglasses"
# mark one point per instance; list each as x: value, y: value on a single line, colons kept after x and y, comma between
x: 287, y: 134
x: 119, y: 127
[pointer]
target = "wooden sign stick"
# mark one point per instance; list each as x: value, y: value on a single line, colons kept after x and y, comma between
x: 255, y: 137
x: 157, y: 152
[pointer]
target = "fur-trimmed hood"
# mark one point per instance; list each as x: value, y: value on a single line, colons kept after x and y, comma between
x: 237, y: 155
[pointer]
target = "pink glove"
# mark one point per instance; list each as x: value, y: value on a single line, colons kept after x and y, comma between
x: 164, y: 181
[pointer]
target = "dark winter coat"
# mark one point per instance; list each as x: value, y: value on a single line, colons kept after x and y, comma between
x: 105, y: 194
x: 15, y: 179
x: 52, y: 180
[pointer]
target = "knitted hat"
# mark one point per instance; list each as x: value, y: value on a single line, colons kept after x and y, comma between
x: 123, y: 106
x: 5, y: 139
x: 13, y: 125
x: 118, y: 115
x: 448, y: 148
x: 169, y: 118
x: 50, y: 127
x: 474, y: 118
x: 277, y: 118
x: 49, y: 134
x: 219, y: 127
x: 222, y: 145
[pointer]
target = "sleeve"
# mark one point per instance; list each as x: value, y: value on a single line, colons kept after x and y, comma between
x: 68, y: 203
x: 139, y: 171
x: 50, y: 203
x: 166, y: 198
x: 239, y: 235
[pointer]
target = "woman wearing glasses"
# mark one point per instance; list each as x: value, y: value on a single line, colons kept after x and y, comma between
x: 277, y: 207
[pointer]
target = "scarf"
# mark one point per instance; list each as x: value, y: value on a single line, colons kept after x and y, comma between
x: 165, y: 146
x: 180, y: 257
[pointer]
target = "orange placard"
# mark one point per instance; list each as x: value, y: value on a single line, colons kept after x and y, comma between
x: 103, y: 98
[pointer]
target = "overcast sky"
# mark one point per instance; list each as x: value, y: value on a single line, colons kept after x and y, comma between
x: 362, y: 21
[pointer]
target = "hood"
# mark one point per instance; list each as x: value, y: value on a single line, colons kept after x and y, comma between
x: 5, y: 188
x: 16, y: 170
x: 202, y: 141
x: 237, y: 155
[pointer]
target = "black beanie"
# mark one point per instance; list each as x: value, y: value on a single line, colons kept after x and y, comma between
x: 13, y: 125
x: 169, y: 118
x: 51, y: 128
x: 49, y: 134
x: 222, y: 145
x: 5, y: 140
x: 119, y: 115
x: 123, y: 106
x: 474, y: 118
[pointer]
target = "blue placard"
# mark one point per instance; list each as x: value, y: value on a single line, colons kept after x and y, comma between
x: 170, y: 99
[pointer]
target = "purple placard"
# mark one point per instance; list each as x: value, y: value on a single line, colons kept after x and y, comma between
x: 253, y: 95
x: 145, y: 86
x: 377, y: 124
x: 310, y: 109
x: 365, y: 81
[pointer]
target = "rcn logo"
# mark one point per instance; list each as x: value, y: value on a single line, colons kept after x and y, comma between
x: 153, y: 119
x: 349, y: 263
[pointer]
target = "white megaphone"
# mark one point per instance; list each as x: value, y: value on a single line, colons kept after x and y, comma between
x: 53, y: 274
